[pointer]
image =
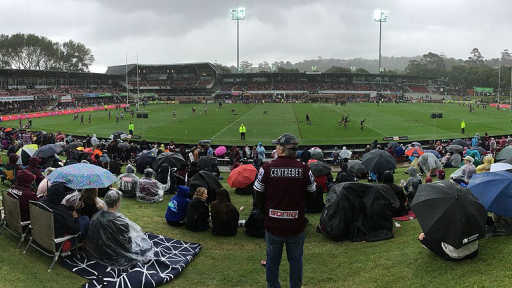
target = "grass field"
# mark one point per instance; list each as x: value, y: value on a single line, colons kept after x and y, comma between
x: 410, y: 119
x: 234, y: 261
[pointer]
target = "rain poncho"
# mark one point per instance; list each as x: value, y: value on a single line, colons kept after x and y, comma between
x: 344, y: 154
x: 149, y: 189
x: 486, y: 167
x: 116, y: 241
x: 128, y: 182
x: 429, y: 163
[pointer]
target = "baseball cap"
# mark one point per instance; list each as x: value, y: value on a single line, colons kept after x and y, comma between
x: 287, y: 139
x: 469, y: 158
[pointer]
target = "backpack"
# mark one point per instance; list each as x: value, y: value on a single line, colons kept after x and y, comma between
x: 254, y: 224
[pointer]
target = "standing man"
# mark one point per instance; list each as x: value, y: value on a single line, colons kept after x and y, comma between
x: 281, y: 189
x: 109, y: 116
x: 462, y: 127
x: 206, y: 111
x: 90, y: 118
x: 117, y: 118
x: 82, y: 120
x: 242, y: 131
x: 362, y: 123
x: 131, y: 127
x: 308, y: 121
x: 173, y: 113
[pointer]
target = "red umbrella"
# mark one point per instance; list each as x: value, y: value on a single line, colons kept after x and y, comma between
x: 242, y: 176
x: 414, y: 152
x: 88, y: 150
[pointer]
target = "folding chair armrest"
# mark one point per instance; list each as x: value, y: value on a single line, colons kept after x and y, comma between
x: 62, y: 239
x: 25, y: 223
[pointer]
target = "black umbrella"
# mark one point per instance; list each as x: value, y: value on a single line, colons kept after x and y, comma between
x: 207, y: 180
x: 358, y: 212
x: 449, y: 213
x: 479, y: 149
x: 173, y: 159
x: 505, y: 153
x: 123, y: 145
x: 455, y: 148
x: 356, y: 166
x: 319, y: 168
x: 118, y: 135
x: 73, y: 145
x: 48, y: 150
x: 379, y: 161
x: 460, y: 142
x: 144, y: 159
x: 206, y: 162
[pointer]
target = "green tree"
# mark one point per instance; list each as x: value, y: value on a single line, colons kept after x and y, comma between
x: 29, y: 51
x: 223, y: 69
x: 335, y: 69
x: 476, y: 58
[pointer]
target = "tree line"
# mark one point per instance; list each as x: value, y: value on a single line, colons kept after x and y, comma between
x: 30, y: 51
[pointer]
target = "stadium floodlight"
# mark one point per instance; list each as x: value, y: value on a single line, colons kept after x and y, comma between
x: 380, y: 16
x: 499, y: 84
x: 353, y: 69
x: 238, y: 14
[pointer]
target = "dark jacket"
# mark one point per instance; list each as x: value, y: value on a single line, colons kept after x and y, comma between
x: 228, y: 226
x: 197, y: 215
x: 63, y: 219
x: 388, y: 180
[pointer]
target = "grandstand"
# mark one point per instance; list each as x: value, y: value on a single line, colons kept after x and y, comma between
x: 28, y: 90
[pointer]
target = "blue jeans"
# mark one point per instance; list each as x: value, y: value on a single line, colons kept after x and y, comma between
x: 294, y: 252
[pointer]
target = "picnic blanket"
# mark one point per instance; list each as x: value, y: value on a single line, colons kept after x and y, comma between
x: 171, y: 257
x: 407, y: 217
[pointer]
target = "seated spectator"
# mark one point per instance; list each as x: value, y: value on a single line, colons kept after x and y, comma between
x: 345, y: 154
x: 22, y: 190
x: 412, y: 184
x: 254, y: 225
x: 389, y: 180
x: 348, y: 177
x: 33, y: 164
x: 114, y: 240
x: 455, y: 161
x: 91, y: 204
x: 43, y: 186
x: 447, y: 252
x: 149, y: 189
x: 114, y: 165
x: 486, y: 167
x: 163, y: 177
x: 66, y: 221
x: 224, y: 215
x: 198, y: 212
x: 441, y: 175
x: 176, y: 214
x: 128, y: 182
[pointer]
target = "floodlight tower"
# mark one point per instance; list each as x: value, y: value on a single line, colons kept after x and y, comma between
x: 499, y: 84
x: 380, y: 16
x: 238, y: 14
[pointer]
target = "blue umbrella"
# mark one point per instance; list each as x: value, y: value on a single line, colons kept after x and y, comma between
x: 494, y: 191
x: 438, y: 156
x: 80, y: 176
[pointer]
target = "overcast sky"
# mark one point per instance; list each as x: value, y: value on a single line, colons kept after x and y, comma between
x: 172, y: 31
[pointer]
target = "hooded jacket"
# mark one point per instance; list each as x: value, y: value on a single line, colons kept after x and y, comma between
x: 22, y: 190
x: 33, y: 162
x: 389, y: 180
x: 413, y: 182
x: 13, y: 159
x: 177, y: 206
x: 128, y: 182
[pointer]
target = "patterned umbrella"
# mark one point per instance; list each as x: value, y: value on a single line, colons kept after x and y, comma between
x: 81, y: 176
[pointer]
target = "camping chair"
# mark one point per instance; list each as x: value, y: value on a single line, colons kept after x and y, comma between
x: 43, y: 232
x: 12, y: 218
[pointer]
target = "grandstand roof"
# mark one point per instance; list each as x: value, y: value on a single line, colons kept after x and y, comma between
x: 121, y: 69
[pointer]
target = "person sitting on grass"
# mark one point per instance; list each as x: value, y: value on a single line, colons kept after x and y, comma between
x: 149, y: 189
x: 91, y: 203
x: 198, y: 212
x: 176, y: 214
x: 412, y: 184
x: 224, y: 215
x: 114, y: 240
x: 448, y: 252
x: 486, y: 166
x: 163, y: 177
x: 389, y: 180
x: 128, y: 182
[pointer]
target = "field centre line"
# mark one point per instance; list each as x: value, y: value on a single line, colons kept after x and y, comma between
x: 234, y: 122
x: 358, y: 121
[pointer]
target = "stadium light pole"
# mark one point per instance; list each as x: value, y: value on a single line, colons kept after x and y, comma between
x: 499, y: 84
x: 380, y: 16
x: 238, y: 14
